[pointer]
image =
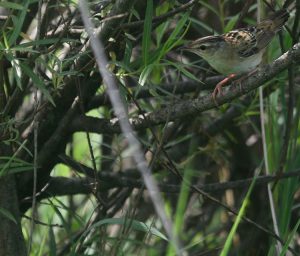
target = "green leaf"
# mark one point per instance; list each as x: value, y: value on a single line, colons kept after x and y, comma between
x: 25, y: 49
x: 134, y: 224
x: 210, y: 7
x: 8, y: 215
x: 52, y: 243
x: 42, y: 245
x: 145, y: 74
x: 10, y: 5
x: 16, y: 68
x: 16, y: 169
x: 147, y: 32
x: 160, y: 31
x: 197, y: 24
x: 286, y: 245
x: 48, y: 41
x: 136, y: 14
x: 241, y: 213
x: 174, y: 37
x: 18, y: 23
x: 9, y: 160
x: 188, y: 74
x: 128, y: 53
x: 229, y: 26
x: 37, y: 81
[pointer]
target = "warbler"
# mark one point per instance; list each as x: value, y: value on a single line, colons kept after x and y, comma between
x: 238, y: 51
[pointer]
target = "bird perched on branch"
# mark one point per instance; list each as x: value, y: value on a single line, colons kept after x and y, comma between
x: 238, y: 51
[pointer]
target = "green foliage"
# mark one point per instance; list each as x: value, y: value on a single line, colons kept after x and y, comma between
x: 154, y: 58
x: 14, y: 165
x: 6, y: 214
x: 18, y: 21
x: 242, y: 212
x: 289, y: 240
x: 147, y: 33
x: 127, y: 223
x: 91, y: 199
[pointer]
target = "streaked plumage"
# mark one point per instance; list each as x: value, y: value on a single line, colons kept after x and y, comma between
x: 240, y: 50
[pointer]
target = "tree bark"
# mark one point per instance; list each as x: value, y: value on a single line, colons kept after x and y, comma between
x: 11, y: 238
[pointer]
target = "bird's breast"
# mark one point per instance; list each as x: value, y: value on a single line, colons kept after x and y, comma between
x: 226, y: 63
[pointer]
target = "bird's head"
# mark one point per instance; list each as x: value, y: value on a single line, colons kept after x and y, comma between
x: 205, y: 47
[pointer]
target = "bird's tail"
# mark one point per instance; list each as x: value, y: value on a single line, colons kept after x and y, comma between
x: 275, y: 21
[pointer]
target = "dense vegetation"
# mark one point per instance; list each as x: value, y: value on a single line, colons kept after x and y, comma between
x: 70, y: 182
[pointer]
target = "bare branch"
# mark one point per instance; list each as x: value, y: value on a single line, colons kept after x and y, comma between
x: 160, y: 18
x: 191, y: 107
x: 125, y: 125
x: 163, y: 89
x: 60, y: 186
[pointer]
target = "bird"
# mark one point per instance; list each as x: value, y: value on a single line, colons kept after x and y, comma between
x: 239, y: 51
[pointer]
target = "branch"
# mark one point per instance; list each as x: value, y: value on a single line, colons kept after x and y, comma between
x: 62, y: 186
x: 163, y: 90
x: 55, y: 120
x: 191, y: 107
x: 196, y: 106
x: 120, y: 111
x: 160, y: 18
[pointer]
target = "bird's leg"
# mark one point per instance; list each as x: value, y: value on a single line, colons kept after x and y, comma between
x: 218, y: 88
x: 241, y: 79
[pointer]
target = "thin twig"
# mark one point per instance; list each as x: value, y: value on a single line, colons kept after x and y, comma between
x: 114, y: 17
x: 291, y: 103
x: 163, y: 90
x: 161, y: 17
x: 243, y: 13
x: 43, y: 223
x: 57, y: 185
x: 35, y: 140
x: 125, y: 125
x: 193, y: 107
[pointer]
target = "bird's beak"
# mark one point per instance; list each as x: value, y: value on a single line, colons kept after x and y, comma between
x: 189, y: 47
x: 185, y: 47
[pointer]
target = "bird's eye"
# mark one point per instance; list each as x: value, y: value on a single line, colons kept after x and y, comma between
x: 202, y: 47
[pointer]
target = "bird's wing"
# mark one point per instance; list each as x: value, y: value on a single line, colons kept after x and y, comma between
x: 244, y: 41
x: 267, y: 28
x: 251, y: 40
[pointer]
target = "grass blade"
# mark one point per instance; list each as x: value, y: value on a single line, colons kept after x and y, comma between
x: 37, y: 81
x: 7, y: 215
x: 18, y: 23
x: 147, y: 32
x: 233, y: 230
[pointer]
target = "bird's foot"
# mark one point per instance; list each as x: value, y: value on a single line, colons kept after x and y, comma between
x: 240, y: 80
x: 218, y: 88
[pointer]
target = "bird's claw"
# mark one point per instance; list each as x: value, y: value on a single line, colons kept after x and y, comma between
x: 217, y: 91
x: 218, y: 88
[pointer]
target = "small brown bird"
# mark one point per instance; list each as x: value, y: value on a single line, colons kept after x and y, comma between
x: 238, y: 51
